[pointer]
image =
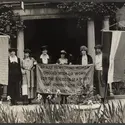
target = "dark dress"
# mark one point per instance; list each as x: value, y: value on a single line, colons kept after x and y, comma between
x: 100, y: 78
x: 79, y: 60
x: 15, y: 77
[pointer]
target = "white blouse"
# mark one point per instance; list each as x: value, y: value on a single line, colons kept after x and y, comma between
x: 13, y: 59
x: 98, y: 62
x: 63, y: 61
x: 84, y: 60
x: 44, y: 58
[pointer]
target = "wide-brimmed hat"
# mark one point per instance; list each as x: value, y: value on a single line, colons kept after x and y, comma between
x: 44, y: 47
x: 13, y: 49
x: 27, y: 51
x: 83, y: 48
x: 63, y: 52
x: 98, y: 46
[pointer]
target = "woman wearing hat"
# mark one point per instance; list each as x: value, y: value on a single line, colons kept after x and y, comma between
x: 62, y: 60
x: 28, y: 64
x: 44, y: 57
x: 98, y: 82
x: 84, y: 58
x: 15, y: 77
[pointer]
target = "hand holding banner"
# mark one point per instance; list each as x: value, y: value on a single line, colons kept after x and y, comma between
x: 66, y: 78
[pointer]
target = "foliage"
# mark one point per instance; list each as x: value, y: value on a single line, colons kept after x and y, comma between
x: 118, y: 88
x: 113, y: 112
x: 88, y: 10
x: 10, y: 23
x: 84, y: 96
x: 120, y: 17
x: 7, y: 115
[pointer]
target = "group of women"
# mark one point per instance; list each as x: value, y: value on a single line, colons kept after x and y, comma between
x: 21, y: 75
x: 21, y: 72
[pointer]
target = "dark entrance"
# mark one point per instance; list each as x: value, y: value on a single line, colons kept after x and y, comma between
x: 57, y: 34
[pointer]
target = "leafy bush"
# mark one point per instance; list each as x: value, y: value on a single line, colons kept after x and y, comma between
x: 7, y: 115
x: 10, y: 22
x: 108, y: 113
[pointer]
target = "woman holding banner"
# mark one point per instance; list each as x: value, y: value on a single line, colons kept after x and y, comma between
x: 44, y: 59
x: 63, y: 61
x: 84, y: 58
x: 28, y: 64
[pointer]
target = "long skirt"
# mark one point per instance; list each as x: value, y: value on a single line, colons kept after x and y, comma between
x: 98, y: 83
x: 28, y: 87
x: 13, y: 91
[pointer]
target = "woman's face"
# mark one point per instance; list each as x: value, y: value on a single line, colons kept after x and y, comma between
x: 98, y: 51
x: 44, y: 52
x: 62, y: 55
x: 26, y: 55
x: 83, y: 52
x: 13, y: 53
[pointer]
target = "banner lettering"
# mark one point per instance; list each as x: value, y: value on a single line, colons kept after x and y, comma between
x: 68, y: 79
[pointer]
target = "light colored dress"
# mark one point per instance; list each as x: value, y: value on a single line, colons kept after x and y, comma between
x: 62, y: 61
x: 28, y: 77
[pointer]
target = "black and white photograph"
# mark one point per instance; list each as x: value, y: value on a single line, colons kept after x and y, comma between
x: 62, y: 61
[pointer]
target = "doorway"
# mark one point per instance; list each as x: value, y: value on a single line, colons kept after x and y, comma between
x: 58, y: 34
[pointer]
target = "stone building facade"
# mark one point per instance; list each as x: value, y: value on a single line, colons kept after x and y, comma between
x: 46, y: 9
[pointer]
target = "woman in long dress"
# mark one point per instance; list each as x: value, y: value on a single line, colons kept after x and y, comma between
x: 28, y: 90
x: 15, y: 77
x: 44, y: 59
x: 63, y: 61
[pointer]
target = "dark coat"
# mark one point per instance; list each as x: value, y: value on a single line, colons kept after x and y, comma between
x: 79, y: 60
x: 15, y: 74
x: 15, y: 78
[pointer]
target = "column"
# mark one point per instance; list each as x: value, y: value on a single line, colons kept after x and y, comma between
x: 91, y: 38
x: 106, y: 23
x: 20, y: 44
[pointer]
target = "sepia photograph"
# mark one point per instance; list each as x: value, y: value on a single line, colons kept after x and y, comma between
x: 62, y: 61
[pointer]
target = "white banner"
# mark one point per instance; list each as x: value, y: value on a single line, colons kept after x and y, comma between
x: 4, y: 41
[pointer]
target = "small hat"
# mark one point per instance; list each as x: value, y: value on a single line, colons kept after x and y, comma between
x: 12, y: 49
x: 63, y: 52
x: 27, y: 51
x: 98, y: 47
x: 83, y: 48
x: 44, y: 47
